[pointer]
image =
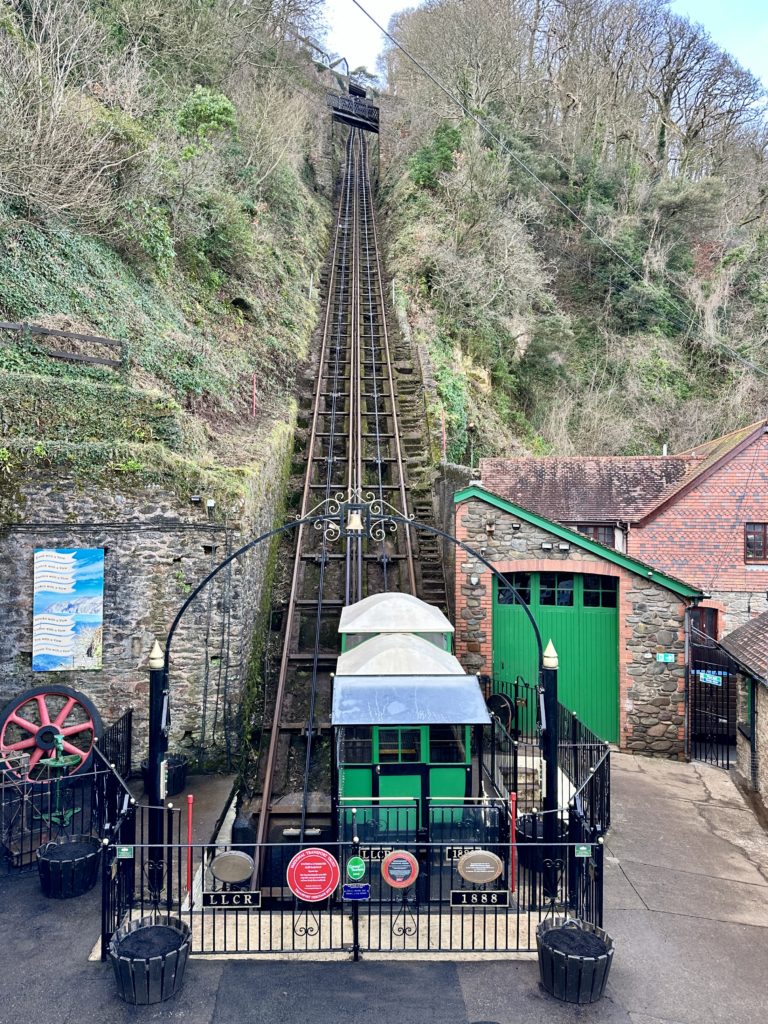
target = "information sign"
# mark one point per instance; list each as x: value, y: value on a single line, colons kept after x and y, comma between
x: 125, y: 853
x: 357, y: 892
x: 712, y: 678
x: 583, y: 850
x: 313, y: 874
x: 480, y: 866
x: 356, y: 868
x: 233, y: 900
x: 479, y: 898
x: 667, y: 658
x: 399, y: 869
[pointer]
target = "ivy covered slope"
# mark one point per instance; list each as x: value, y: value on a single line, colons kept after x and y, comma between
x: 592, y: 279
x: 157, y: 186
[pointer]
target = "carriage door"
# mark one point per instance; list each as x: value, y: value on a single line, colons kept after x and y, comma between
x: 399, y: 773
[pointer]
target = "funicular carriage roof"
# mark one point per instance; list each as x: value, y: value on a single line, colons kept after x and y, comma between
x: 404, y: 680
x: 402, y: 654
x: 393, y: 613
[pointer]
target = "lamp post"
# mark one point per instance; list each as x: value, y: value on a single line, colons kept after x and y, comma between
x: 550, y: 664
x: 158, y: 745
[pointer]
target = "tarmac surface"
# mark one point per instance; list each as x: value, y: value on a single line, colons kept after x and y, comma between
x: 686, y: 904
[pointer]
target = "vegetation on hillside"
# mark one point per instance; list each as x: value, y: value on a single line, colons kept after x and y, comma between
x: 159, y: 185
x: 592, y: 279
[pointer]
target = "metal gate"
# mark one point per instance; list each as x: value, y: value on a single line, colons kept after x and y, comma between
x: 712, y: 701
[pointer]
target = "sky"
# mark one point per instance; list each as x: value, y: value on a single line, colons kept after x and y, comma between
x: 739, y: 26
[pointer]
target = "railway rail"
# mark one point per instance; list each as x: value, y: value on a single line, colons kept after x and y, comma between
x: 356, y: 444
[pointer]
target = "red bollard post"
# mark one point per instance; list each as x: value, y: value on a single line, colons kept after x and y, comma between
x: 190, y: 803
x: 512, y: 841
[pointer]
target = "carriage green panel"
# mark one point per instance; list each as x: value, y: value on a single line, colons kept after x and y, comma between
x: 587, y: 643
x: 394, y: 788
x: 355, y: 782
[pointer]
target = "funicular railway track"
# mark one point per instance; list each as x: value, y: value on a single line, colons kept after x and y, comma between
x: 354, y: 446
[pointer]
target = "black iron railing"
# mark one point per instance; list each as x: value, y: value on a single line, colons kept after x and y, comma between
x: 35, y: 812
x: 439, y: 912
x: 115, y: 743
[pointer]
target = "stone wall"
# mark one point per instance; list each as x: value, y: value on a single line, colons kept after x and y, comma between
x: 744, y: 755
x: 158, y: 546
x: 651, y: 620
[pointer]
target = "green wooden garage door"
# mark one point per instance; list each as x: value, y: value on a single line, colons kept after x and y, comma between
x: 579, y: 613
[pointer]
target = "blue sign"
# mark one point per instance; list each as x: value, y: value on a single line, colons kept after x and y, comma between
x: 357, y: 892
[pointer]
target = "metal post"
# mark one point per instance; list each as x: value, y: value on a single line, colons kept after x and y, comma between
x: 158, y: 744
x: 549, y: 683
x: 355, y: 903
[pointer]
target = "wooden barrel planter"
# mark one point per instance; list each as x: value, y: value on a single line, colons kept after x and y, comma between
x: 176, y: 778
x: 69, y: 866
x: 149, y: 957
x: 574, y: 959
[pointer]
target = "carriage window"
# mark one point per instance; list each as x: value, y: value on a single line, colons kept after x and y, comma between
x: 521, y: 581
x: 556, y: 588
x: 399, y: 745
x: 600, y: 591
x: 356, y: 748
x: 446, y: 744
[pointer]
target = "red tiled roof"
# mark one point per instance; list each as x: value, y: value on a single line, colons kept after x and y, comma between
x: 605, y: 489
x: 585, y: 490
x: 749, y: 645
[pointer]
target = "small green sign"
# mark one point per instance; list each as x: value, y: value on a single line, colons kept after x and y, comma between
x: 356, y: 868
x: 583, y: 850
x: 125, y: 853
x: 669, y: 659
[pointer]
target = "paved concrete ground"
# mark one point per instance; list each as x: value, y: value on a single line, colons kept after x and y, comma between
x: 687, y: 904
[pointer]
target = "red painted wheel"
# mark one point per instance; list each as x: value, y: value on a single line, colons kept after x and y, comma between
x: 30, y: 723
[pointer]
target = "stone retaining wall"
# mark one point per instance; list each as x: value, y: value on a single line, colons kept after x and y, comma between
x: 158, y: 547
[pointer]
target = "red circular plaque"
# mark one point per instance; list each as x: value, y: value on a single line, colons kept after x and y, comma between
x: 399, y: 869
x: 313, y: 874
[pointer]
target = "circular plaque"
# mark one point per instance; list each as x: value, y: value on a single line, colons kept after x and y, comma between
x: 399, y: 869
x: 479, y: 866
x: 356, y: 869
x: 313, y: 874
x: 232, y: 866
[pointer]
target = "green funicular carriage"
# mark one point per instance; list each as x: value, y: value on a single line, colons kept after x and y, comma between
x: 404, y: 715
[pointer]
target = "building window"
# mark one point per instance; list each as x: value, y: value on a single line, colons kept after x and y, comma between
x: 756, y: 542
x: 600, y: 591
x: 521, y: 581
x: 397, y: 745
x: 356, y: 745
x: 446, y: 744
x: 603, y: 534
x: 556, y: 588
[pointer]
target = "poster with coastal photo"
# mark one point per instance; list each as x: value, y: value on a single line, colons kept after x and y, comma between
x: 68, y: 609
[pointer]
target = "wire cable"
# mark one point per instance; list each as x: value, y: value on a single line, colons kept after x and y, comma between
x: 688, y: 314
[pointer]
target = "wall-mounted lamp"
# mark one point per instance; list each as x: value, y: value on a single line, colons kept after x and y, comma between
x: 516, y: 526
x: 546, y: 546
x: 474, y: 579
x: 563, y: 547
x: 490, y: 527
x: 195, y: 499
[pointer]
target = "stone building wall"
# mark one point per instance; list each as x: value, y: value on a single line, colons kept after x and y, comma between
x: 744, y: 756
x: 158, y: 546
x: 651, y: 620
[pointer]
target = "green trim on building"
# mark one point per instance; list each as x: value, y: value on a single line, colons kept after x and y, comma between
x: 579, y: 540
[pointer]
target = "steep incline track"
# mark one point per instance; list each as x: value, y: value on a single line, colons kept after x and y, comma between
x: 354, y: 446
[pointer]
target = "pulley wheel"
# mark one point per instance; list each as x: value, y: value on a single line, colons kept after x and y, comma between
x: 30, y: 723
x: 501, y: 706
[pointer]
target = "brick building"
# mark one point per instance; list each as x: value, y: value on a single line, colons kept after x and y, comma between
x: 700, y: 516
